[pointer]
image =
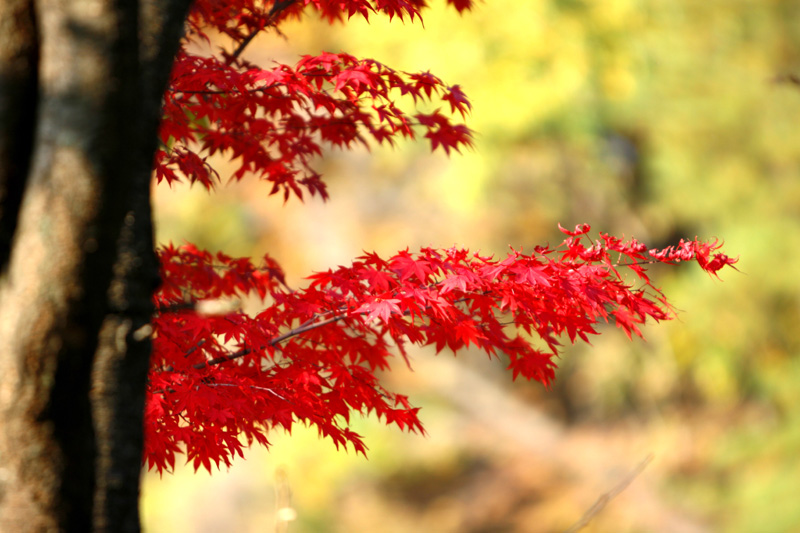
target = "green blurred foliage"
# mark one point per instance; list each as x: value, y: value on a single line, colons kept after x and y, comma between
x: 659, y: 119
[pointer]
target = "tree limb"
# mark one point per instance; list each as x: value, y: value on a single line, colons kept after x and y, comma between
x: 603, y: 500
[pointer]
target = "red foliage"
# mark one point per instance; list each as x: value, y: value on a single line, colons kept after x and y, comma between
x: 273, y: 121
x: 221, y: 378
x: 311, y: 355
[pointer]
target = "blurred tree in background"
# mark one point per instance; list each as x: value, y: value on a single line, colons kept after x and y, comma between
x: 654, y: 118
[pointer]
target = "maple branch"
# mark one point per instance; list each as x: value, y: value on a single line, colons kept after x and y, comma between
x: 603, y: 500
x: 236, y: 53
x: 277, y: 8
x: 254, y: 387
x: 175, y: 308
x: 306, y: 326
x: 224, y: 358
x: 358, y: 125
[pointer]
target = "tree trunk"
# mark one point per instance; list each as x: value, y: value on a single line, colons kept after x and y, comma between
x: 80, y: 90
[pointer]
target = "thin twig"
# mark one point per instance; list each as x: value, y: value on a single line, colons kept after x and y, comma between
x: 254, y: 387
x: 277, y: 340
x: 603, y: 500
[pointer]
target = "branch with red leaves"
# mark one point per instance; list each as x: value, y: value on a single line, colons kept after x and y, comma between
x: 274, y: 121
x: 311, y: 355
x: 221, y: 378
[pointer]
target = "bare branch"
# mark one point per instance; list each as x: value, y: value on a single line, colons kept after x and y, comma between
x: 603, y: 500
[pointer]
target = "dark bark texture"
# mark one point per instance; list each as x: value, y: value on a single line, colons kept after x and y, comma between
x: 80, y: 91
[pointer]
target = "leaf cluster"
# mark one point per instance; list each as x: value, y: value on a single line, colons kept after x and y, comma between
x: 273, y: 121
x: 312, y: 355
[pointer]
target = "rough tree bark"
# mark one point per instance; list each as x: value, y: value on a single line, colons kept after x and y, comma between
x: 80, y: 91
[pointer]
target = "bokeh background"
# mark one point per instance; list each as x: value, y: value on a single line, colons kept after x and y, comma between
x: 658, y: 119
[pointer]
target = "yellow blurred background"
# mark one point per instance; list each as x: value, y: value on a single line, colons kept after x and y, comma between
x: 658, y: 119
